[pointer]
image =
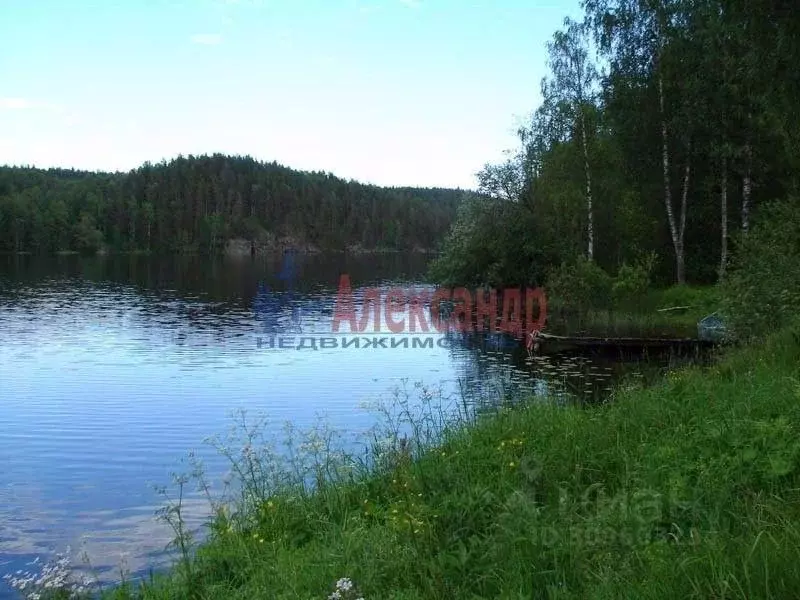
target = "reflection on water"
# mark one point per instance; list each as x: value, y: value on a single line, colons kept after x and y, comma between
x: 111, y: 369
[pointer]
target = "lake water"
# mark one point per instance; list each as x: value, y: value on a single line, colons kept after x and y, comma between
x: 113, y: 368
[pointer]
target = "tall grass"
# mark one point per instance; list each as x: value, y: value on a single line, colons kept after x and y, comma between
x: 639, y: 315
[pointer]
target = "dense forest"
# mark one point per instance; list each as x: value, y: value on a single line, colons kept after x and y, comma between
x: 199, y: 203
x: 665, y: 125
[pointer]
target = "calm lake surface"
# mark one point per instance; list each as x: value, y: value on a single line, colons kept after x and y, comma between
x: 113, y: 368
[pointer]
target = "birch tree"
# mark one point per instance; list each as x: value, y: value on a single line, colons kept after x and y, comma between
x: 723, y: 262
x: 572, y: 86
x: 637, y: 36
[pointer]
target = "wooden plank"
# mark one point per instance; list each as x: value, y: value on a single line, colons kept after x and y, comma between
x: 558, y: 343
x: 671, y: 308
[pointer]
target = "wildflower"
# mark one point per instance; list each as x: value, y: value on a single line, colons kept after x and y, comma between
x: 344, y: 584
x: 512, y: 464
x: 270, y: 503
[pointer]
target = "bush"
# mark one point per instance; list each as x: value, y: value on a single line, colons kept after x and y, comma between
x: 762, y: 291
x: 633, y: 281
x: 492, y: 243
x: 579, y: 286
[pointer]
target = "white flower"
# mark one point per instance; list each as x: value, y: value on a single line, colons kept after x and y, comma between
x: 344, y: 584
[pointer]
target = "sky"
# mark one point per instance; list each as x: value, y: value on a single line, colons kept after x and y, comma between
x: 391, y: 92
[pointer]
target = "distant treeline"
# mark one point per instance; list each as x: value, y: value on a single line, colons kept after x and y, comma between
x: 198, y: 203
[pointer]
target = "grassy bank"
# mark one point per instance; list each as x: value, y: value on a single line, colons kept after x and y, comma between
x: 667, y: 312
x: 687, y: 489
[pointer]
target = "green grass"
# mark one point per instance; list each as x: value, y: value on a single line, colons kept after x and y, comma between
x: 687, y: 489
x: 641, y: 316
x: 701, y: 300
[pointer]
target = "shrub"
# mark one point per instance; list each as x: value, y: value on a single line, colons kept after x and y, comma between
x: 579, y: 286
x: 492, y: 243
x: 762, y: 290
x: 633, y: 281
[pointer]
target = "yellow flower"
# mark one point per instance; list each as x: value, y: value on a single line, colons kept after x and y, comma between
x: 261, y: 540
x: 512, y: 464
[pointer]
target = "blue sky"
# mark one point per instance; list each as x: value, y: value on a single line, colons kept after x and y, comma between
x: 393, y: 92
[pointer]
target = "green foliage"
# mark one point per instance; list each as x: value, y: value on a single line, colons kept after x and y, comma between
x: 633, y: 281
x: 762, y: 290
x: 87, y: 237
x: 580, y: 285
x: 198, y: 203
x: 492, y: 243
x: 710, y: 81
x: 700, y: 300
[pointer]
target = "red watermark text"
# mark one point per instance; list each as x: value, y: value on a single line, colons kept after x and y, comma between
x: 513, y: 311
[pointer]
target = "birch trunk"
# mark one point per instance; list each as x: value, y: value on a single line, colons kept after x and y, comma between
x: 679, y: 251
x: 677, y: 240
x: 724, y: 208
x: 589, y: 211
x: 747, y: 186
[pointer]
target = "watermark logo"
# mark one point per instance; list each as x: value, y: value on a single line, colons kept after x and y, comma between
x: 511, y: 311
x: 405, y: 317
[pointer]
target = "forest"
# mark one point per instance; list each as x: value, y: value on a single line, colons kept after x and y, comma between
x: 665, y: 126
x: 199, y: 203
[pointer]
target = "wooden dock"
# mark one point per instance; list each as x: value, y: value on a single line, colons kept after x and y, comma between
x: 544, y: 343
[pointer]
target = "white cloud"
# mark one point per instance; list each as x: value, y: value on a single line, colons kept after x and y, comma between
x: 14, y: 103
x: 207, y: 39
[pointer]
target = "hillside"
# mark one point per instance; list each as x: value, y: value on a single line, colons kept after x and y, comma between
x: 198, y: 203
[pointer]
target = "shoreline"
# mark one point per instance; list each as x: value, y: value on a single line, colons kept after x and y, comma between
x: 354, y: 251
x: 500, y: 486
